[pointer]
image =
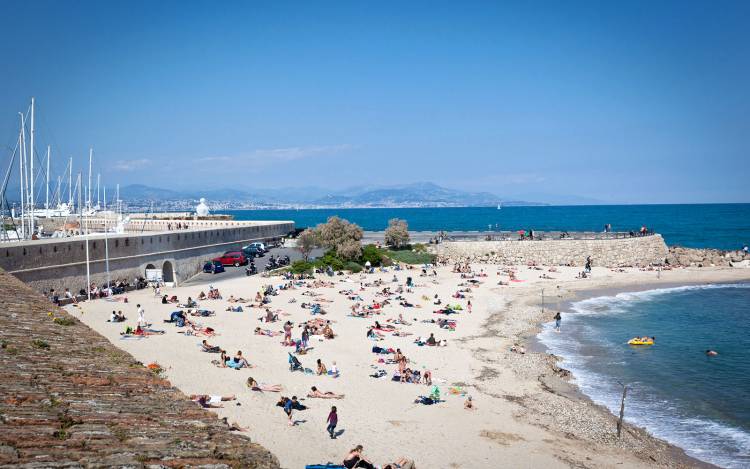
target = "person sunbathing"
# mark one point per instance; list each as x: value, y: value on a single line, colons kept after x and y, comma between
x: 328, y: 332
x: 469, y: 404
x: 213, y: 402
x: 255, y: 386
x: 321, y: 368
x: 314, y: 392
x: 206, y: 347
x: 266, y: 332
x: 400, y: 463
x: 201, y: 296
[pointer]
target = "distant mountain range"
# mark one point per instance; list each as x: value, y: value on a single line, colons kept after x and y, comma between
x: 422, y: 194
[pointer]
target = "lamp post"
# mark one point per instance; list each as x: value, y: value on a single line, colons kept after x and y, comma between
x: 542, y: 300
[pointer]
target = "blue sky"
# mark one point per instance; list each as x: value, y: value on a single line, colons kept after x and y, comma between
x: 636, y: 102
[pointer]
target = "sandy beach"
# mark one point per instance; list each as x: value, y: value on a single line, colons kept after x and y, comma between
x: 527, y: 413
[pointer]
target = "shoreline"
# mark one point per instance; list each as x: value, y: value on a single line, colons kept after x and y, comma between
x: 524, y: 413
x: 536, y: 345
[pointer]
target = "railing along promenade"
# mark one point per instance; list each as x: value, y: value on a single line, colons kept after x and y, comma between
x: 538, y: 235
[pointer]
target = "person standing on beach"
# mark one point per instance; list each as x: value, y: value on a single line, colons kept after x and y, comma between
x: 333, y: 420
x: 468, y: 306
x: 558, y: 318
x: 141, y: 316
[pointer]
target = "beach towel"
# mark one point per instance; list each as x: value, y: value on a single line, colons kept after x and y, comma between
x: 329, y: 465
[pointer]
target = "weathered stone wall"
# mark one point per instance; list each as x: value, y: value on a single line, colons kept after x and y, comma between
x: 71, y: 399
x: 690, y: 257
x: 637, y: 251
x: 61, y: 263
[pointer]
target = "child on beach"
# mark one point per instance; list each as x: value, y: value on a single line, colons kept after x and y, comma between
x: 332, y: 421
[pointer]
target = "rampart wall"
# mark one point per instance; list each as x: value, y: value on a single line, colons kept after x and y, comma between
x: 61, y: 263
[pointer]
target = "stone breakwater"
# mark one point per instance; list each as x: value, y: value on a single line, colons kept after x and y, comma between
x: 71, y: 399
x: 623, y: 252
x: 690, y: 257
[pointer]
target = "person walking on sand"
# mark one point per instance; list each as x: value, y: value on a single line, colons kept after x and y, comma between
x: 333, y: 420
x: 558, y: 318
x: 468, y: 306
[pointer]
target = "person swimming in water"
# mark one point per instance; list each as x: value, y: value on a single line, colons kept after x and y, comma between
x: 711, y: 353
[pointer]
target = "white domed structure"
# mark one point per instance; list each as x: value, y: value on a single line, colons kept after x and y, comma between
x: 202, y: 209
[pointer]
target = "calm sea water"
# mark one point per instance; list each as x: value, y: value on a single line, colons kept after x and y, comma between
x: 699, y: 403
x: 721, y: 226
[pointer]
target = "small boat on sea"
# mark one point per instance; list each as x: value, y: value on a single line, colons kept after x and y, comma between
x: 641, y: 341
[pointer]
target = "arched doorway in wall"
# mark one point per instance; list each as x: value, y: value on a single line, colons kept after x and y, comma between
x: 150, y: 266
x: 167, y: 272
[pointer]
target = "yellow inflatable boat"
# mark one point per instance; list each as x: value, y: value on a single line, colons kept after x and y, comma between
x: 640, y: 341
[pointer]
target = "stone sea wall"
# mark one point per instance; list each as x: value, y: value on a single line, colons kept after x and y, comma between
x: 637, y: 251
x: 691, y: 257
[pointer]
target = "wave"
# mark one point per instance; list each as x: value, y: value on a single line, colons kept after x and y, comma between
x: 602, y: 305
x: 587, y: 355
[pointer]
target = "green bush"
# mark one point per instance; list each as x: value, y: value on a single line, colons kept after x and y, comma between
x: 300, y: 267
x: 372, y: 254
x: 353, y: 267
x: 330, y: 258
x: 419, y: 247
x: 411, y: 257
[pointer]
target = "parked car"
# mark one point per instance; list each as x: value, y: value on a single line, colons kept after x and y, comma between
x: 260, y: 246
x: 235, y: 258
x: 213, y: 267
x: 252, y: 251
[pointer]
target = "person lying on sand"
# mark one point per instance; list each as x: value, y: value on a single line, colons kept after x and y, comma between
x: 314, y: 392
x: 401, y: 463
x: 206, y: 347
x: 255, y: 386
x: 234, y: 426
x: 267, y: 332
x: 207, y: 401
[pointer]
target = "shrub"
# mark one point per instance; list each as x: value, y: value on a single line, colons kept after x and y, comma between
x: 353, y: 267
x: 411, y: 257
x: 330, y: 258
x: 372, y: 254
x: 300, y: 267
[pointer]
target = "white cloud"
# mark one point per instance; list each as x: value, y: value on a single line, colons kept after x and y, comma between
x: 280, y: 154
x: 131, y: 165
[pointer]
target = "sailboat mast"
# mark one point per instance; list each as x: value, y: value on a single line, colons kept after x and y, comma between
x: 24, y: 177
x: 46, y: 198
x: 31, y: 145
x: 21, y: 171
x: 70, y: 183
x: 105, y: 198
x: 59, y: 190
x: 91, y: 156
x: 98, y: 181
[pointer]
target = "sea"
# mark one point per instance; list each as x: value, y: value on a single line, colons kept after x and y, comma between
x: 699, y: 403
x: 675, y: 391
x: 720, y: 226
